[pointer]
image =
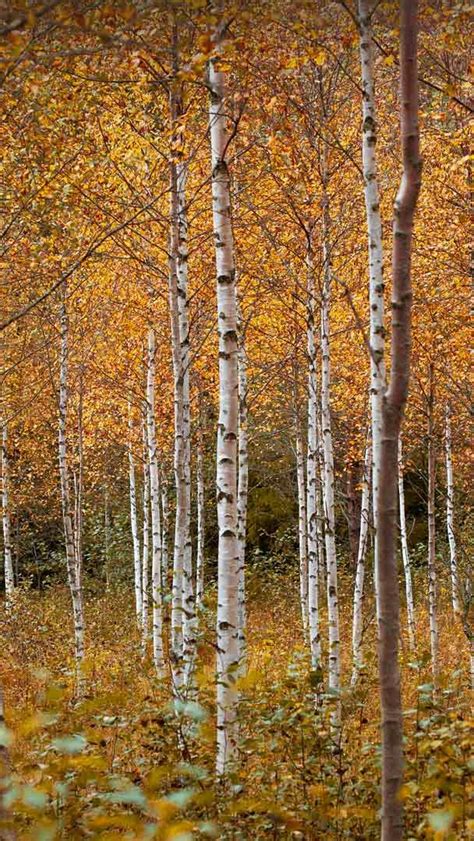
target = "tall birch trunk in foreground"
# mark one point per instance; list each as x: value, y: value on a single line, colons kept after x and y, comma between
x: 165, y: 532
x: 312, y: 474
x: 146, y: 539
x: 137, y: 564
x: 392, y: 412
x: 227, y: 430
x: 73, y: 570
x: 405, y: 553
x: 242, y: 481
x: 328, y: 464
x: 357, y: 622
x: 375, y: 250
x: 156, y: 590
x: 7, y: 544
x: 450, y: 515
x: 432, y: 574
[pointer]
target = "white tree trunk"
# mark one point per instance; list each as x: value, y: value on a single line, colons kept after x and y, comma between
x: 226, y: 478
x: 405, y: 553
x: 357, y: 621
x: 311, y: 475
x: 200, y: 526
x: 156, y: 589
x: 450, y: 515
x: 328, y: 467
x: 188, y: 598
x: 375, y: 250
x: 68, y: 517
x: 137, y: 564
x: 242, y: 483
x: 302, y: 530
x: 7, y: 544
x: 146, y: 539
x: 165, y: 533
x: 432, y: 574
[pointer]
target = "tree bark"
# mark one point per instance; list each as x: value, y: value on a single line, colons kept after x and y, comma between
x: 405, y: 552
x: 357, y: 622
x: 432, y: 572
x: 7, y: 543
x: 146, y: 539
x: 226, y: 476
x: 201, y: 521
x: 152, y: 452
x: 302, y: 528
x: 453, y: 566
x: 312, y: 472
x: 334, y: 668
x: 73, y: 570
x: 242, y: 481
x: 394, y: 400
x: 375, y: 251
x: 137, y: 564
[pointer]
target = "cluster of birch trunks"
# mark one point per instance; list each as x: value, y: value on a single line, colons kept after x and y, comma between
x: 165, y: 566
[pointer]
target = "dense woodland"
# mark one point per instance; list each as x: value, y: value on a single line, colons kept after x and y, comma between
x: 237, y: 599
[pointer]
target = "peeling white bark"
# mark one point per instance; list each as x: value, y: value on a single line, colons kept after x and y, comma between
x: 302, y: 530
x: 312, y: 474
x: 146, y: 540
x: 242, y: 483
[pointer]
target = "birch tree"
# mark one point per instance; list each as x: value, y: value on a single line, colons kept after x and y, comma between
x: 242, y: 479
x: 6, y: 519
x: 146, y: 538
x: 227, y: 430
x: 405, y: 552
x: 375, y: 247
x: 432, y: 573
x: 312, y: 471
x: 72, y: 561
x: 302, y: 527
x: 152, y: 454
x: 137, y: 565
x: 450, y: 514
x: 393, y: 404
x: 328, y: 459
x: 201, y: 522
x: 357, y: 622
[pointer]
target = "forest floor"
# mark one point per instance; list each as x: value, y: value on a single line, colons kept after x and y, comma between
x: 123, y: 763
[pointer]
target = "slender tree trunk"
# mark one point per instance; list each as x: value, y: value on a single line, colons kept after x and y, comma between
x: 375, y: 250
x: 242, y: 483
x: 450, y: 515
x: 146, y: 539
x: 357, y: 622
x: 302, y: 528
x: 227, y: 431
x: 312, y: 474
x: 180, y: 613
x: 7, y: 543
x: 392, y: 412
x: 68, y: 517
x: 79, y: 481
x: 137, y: 564
x: 165, y: 533
x: 328, y: 465
x: 107, y: 538
x: 201, y: 520
x: 152, y: 448
x: 432, y: 572
x: 405, y: 553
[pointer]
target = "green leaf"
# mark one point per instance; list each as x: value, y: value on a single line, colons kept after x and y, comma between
x: 441, y: 820
x: 70, y: 744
